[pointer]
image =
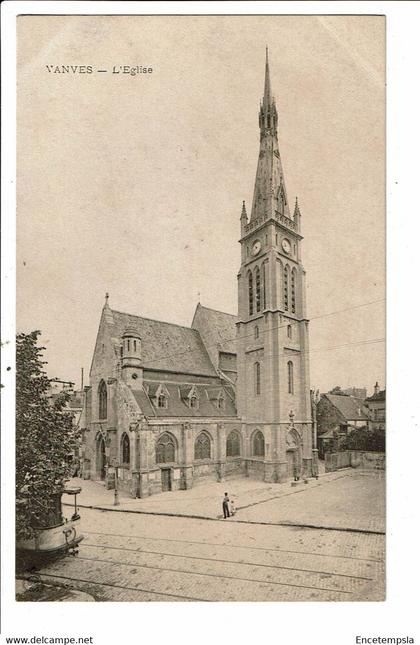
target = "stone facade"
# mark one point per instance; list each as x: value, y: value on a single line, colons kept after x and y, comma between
x: 273, y: 390
x: 169, y: 407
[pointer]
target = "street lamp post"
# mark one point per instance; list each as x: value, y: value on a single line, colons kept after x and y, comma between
x: 116, y: 493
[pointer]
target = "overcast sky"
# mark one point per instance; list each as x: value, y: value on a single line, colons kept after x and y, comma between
x: 134, y: 184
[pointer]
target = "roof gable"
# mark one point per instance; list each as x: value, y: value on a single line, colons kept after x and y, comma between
x: 350, y: 407
x: 217, y: 330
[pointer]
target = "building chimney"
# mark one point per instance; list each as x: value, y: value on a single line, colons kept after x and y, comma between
x: 376, y: 388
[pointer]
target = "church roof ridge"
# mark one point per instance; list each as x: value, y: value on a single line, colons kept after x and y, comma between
x: 162, y: 322
x: 219, y: 311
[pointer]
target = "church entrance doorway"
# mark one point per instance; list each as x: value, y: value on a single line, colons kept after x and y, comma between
x: 166, y: 479
x: 294, y: 454
x: 291, y: 463
x: 101, y: 458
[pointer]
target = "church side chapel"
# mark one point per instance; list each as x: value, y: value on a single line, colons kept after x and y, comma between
x: 174, y: 406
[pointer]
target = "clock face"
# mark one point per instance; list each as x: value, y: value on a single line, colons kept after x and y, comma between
x: 256, y: 247
x: 286, y: 246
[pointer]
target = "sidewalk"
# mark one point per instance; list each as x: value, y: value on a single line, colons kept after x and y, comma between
x: 319, y: 503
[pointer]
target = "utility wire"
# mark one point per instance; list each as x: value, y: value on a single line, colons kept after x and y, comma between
x: 289, y: 323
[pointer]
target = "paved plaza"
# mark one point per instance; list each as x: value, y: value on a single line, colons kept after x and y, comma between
x: 344, y: 499
x: 267, y: 552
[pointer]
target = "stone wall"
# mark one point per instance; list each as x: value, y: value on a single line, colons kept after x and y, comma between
x: 354, y: 459
x: 255, y: 468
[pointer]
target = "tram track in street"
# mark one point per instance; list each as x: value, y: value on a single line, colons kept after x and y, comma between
x: 236, y: 546
x: 225, y: 561
x: 215, y: 575
x: 181, y: 560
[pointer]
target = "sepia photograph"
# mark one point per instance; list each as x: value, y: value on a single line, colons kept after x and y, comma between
x: 200, y: 349
x: 200, y: 308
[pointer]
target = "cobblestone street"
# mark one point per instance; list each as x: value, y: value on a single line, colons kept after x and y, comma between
x: 131, y: 556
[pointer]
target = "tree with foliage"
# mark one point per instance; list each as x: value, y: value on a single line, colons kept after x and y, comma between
x: 45, y: 441
x: 364, y: 439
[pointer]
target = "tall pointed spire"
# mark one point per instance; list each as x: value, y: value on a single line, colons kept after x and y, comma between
x: 270, y: 198
x: 267, y: 100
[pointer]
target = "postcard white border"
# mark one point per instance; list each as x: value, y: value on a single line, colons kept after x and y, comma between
x: 299, y: 623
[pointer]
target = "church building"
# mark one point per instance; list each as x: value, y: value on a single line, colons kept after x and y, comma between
x: 172, y: 406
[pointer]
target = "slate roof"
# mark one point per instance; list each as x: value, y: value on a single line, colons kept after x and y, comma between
x: 178, y: 406
x: 217, y: 330
x: 165, y: 346
x: 350, y: 407
x: 144, y: 403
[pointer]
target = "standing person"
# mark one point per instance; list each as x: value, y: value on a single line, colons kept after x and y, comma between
x: 225, y: 505
x: 232, y: 508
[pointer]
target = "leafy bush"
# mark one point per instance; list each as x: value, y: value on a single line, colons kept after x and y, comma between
x: 364, y: 439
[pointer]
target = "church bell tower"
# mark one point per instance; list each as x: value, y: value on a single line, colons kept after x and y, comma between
x: 273, y: 390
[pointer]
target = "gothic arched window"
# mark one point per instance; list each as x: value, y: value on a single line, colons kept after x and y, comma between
x: 102, y: 396
x: 233, y: 444
x: 258, y: 444
x: 290, y: 377
x: 257, y: 378
x: 293, y: 290
x: 286, y: 287
x: 250, y: 294
x: 257, y: 290
x: 263, y: 286
x: 202, y: 446
x: 165, y: 449
x: 256, y: 332
x: 125, y: 449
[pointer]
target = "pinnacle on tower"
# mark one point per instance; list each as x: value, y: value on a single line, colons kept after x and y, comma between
x: 244, y: 216
x: 296, y: 213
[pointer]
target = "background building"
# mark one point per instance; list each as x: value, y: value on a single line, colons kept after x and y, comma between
x: 376, y: 405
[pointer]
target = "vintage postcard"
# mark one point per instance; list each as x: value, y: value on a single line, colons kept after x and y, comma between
x: 200, y: 309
